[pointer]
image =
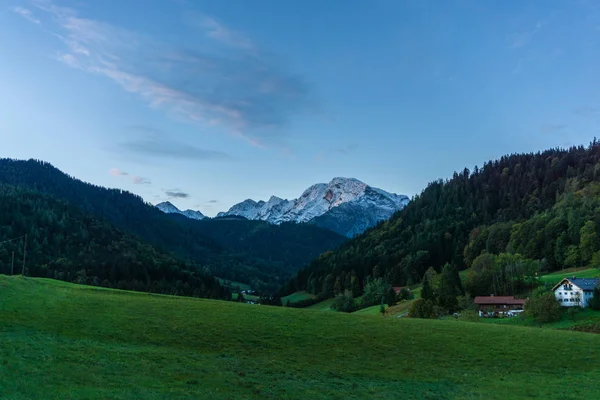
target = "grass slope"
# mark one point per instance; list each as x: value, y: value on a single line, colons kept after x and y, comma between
x: 324, y: 305
x: 61, y: 341
x: 297, y: 296
x: 372, y: 310
x: 556, y: 277
x: 582, y: 317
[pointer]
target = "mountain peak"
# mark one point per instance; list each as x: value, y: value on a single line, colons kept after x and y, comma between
x: 341, y: 179
x: 369, y: 205
x: 168, y: 208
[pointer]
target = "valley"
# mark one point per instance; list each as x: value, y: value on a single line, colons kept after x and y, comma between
x: 299, y: 200
x: 254, y: 252
x: 65, y: 341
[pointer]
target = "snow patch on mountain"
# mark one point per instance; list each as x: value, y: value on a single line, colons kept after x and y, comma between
x: 168, y: 208
x: 368, y: 206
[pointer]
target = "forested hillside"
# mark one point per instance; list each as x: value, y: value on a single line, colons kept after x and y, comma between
x: 540, y: 207
x: 246, y: 251
x: 64, y: 243
x: 289, y: 243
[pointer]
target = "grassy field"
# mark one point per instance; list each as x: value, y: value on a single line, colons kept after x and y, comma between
x: 62, y: 341
x: 324, y: 305
x: 556, y: 277
x: 373, y: 310
x: 234, y: 284
x: 400, y: 308
x: 297, y: 296
x: 582, y: 317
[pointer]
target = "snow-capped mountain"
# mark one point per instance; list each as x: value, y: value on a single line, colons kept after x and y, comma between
x: 345, y: 205
x: 169, y: 208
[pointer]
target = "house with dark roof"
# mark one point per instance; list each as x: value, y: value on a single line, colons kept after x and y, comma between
x: 496, y: 304
x: 575, y: 292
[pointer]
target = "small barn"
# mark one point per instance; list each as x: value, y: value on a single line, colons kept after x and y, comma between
x: 495, y: 304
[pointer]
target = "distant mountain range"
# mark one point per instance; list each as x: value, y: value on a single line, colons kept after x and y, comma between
x: 344, y: 205
x: 168, y: 208
x: 232, y: 248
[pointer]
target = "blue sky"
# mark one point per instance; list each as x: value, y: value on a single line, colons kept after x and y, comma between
x: 208, y: 103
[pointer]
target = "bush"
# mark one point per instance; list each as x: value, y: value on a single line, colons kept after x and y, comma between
x: 344, y: 303
x: 466, y: 303
x: 404, y: 294
x: 543, y: 307
x: 469, y: 316
x: 422, y: 308
x: 375, y: 291
x: 594, y: 302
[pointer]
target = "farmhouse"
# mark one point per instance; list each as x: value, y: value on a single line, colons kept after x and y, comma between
x: 498, y: 303
x: 397, y: 289
x: 575, y: 292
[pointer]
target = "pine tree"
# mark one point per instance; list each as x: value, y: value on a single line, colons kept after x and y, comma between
x: 338, y: 287
x: 448, y: 290
x: 427, y: 291
x: 356, y: 290
x: 588, y: 244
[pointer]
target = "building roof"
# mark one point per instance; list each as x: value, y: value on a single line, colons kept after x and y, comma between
x: 498, y: 300
x: 582, y: 283
x: 397, y: 289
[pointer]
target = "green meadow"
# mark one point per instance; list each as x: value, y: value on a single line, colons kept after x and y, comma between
x: 297, y: 296
x: 556, y: 277
x: 63, y: 341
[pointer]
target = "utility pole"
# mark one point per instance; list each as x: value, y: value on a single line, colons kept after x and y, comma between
x: 12, y: 264
x: 24, y: 255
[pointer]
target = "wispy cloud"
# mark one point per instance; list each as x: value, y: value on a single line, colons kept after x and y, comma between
x: 552, y: 128
x: 26, y: 13
x: 225, y: 82
x: 345, y: 150
x: 162, y: 148
x: 177, y: 194
x: 117, y: 172
x: 587, y: 111
x: 522, y: 39
x: 213, y: 201
x: 222, y: 33
x: 138, y: 180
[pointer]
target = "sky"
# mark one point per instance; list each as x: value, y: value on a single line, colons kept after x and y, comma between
x: 208, y: 103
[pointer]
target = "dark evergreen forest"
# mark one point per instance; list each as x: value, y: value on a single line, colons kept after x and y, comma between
x: 522, y: 208
x: 253, y: 252
x: 64, y: 243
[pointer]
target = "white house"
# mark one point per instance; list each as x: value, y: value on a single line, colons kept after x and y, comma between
x: 572, y: 292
